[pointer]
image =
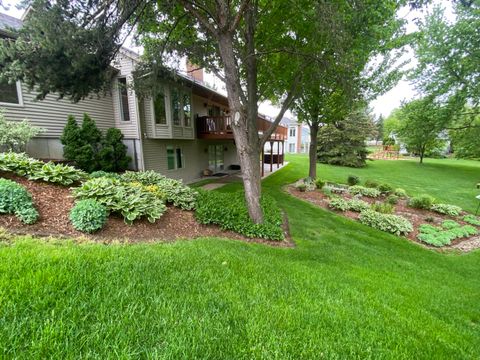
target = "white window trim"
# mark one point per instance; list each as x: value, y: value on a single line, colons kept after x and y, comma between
x: 19, y: 95
x: 175, y: 147
x: 120, y: 100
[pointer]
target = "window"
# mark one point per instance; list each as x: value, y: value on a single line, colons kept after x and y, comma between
x: 160, y: 110
x: 9, y: 93
x: 123, y: 97
x: 291, y: 148
x: 175, y: 107
x: 174, y: 158
x: 187, y: 110
x: 292, y: 132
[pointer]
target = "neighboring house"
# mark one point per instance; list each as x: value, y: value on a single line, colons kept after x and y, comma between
x: 182, y: 132
x: 298, y: 139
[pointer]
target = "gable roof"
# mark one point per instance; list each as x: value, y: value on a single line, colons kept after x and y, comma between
x: 7, y: 23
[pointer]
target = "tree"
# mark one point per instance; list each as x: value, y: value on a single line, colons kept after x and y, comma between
x: 380, y: 130
x: 421, y: 122
x: 465, y: 135
x: 391, y: 125
x: 113, y: 155
x: 260, y: 49
x: 343, y: 142
x: 71, y: 139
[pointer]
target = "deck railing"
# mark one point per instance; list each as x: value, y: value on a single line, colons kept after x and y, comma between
x: 220, y: 127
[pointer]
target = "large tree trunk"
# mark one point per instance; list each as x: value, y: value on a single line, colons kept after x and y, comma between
x: 312, y: 151
x: 244, y: 127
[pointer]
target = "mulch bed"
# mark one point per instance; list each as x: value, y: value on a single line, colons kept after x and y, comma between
x: 415, y: 216
x: 54, y: 203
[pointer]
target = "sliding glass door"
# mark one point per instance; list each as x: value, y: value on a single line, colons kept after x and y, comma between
x: 215, y: 158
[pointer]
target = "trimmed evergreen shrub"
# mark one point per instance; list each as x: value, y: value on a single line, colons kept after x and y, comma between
x: 113, y: 155
x: 353, y: 180
x: 371, y: 184
x: 229, y: 211
x: 15, y: 199
x: 88, y: 216
x: 385, y: 188
x: 400, y: 193
x: 392, y: 199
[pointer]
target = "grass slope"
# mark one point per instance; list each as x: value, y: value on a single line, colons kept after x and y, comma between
x: 346, y: 291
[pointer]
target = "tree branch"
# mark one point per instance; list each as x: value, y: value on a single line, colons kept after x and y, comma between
x: 239, y: 15
x: 202, y: 19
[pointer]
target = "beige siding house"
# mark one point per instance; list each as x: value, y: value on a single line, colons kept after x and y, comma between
x: 181, y: 133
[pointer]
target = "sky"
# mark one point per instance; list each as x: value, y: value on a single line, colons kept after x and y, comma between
x: 383, y: 105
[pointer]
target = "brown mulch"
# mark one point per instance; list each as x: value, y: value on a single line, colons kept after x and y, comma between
x: 416, y: 216
x: 54, y: 203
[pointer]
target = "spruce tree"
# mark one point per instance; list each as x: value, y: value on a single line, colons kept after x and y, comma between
x: 113, y: 156
x: 71, y: 139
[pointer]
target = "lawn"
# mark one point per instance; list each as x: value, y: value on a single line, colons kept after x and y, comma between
x: 345, y: 291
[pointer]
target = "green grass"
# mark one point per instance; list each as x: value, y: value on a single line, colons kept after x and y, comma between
x: 345, y: 291
x: 449, y: 180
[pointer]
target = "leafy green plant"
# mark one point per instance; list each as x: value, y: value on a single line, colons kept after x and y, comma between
x: 384, y: 208
x: 58, y: 174
x: 229, y: 211
x: 88, y: 216
x: 471, y: 219
x: 444, y: 235
x: 113, y: 155
x: 133, y: 202
x: 392, y: 199
x: 421, y: 202
x: 15, y: 199
x: 301, y: 187
x: 101, y: 173
x: 337, y: 203
x: 371, y: 184
x: 319, y: 183
x: 14, y: 135
x: 353, y: 180
x: 358, y: 205
x: 385, y: 188
x: 401, y: 193
x: 148, y: 177
x: 386, y: 222
x: 447, y: 209
x: 20, y: 164
x: 450, y: 224
x: 363, y: 191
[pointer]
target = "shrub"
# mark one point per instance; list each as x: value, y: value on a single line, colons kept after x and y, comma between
x: 363, y: 191
x: 175, y: 191
x: 386, y: 222
x: 472, y: 219
x: 301, y: 187
x: 58, y: 174
x: 384, y: 208
x: 421, y: 202
x: 337, y: 203
x: 101, y: 173
x: 15, y: 135
x: 358, y: 205
x: 113, y: 155
x: 133, y: 202
x: 385, y: 188
x: 229, y: 211
x: 88, y: 216
x: 15, y: 199
x: 441, y: 236
x: 320, y: 183
x: 353, y: 180
x: 392, y: 199
x: 446, y: 209
x: 371, y: 184
x: 400, y: 193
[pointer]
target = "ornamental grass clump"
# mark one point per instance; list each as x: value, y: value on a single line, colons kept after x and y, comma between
x: 88, y: 216
x: 229, y: 211
x: 15, y: 199
x: 421, y: 202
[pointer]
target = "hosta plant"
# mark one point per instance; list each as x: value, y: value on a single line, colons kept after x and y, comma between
x: 19, y: 164
x: 446, y: 209
x: 364, y: 191
x: 58, y: 174
x: 358, y: 205
x: 386, y: 222
x: 472, y: 219
x: 337, y: 203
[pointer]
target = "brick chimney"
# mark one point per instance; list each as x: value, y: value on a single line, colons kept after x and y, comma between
x: 195, y: 71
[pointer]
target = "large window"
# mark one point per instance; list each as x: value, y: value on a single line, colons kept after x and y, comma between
x: 175, y: 158
x: 9, y: 93
x: 123, y: 97
x: 187, y: 110
x: 176, y: 107
x: 160, y: 110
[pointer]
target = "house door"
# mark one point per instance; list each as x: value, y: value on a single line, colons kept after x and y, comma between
x: 215, y: 158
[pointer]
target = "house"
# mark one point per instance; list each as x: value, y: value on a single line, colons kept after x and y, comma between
x: 180, y: 133
x: 298, y: 139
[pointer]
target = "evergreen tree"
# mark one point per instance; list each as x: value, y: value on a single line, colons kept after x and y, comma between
x: 113, y: 156
x: 71, y: 139
x: 87, y: 157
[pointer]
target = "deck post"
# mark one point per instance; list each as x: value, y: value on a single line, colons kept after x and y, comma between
x: 271, y: 156
x: 278, y: 154
x: 283, y: 152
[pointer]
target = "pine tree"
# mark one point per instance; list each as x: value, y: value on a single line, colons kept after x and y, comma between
x: 113, y: 156
x: 71, y: 139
